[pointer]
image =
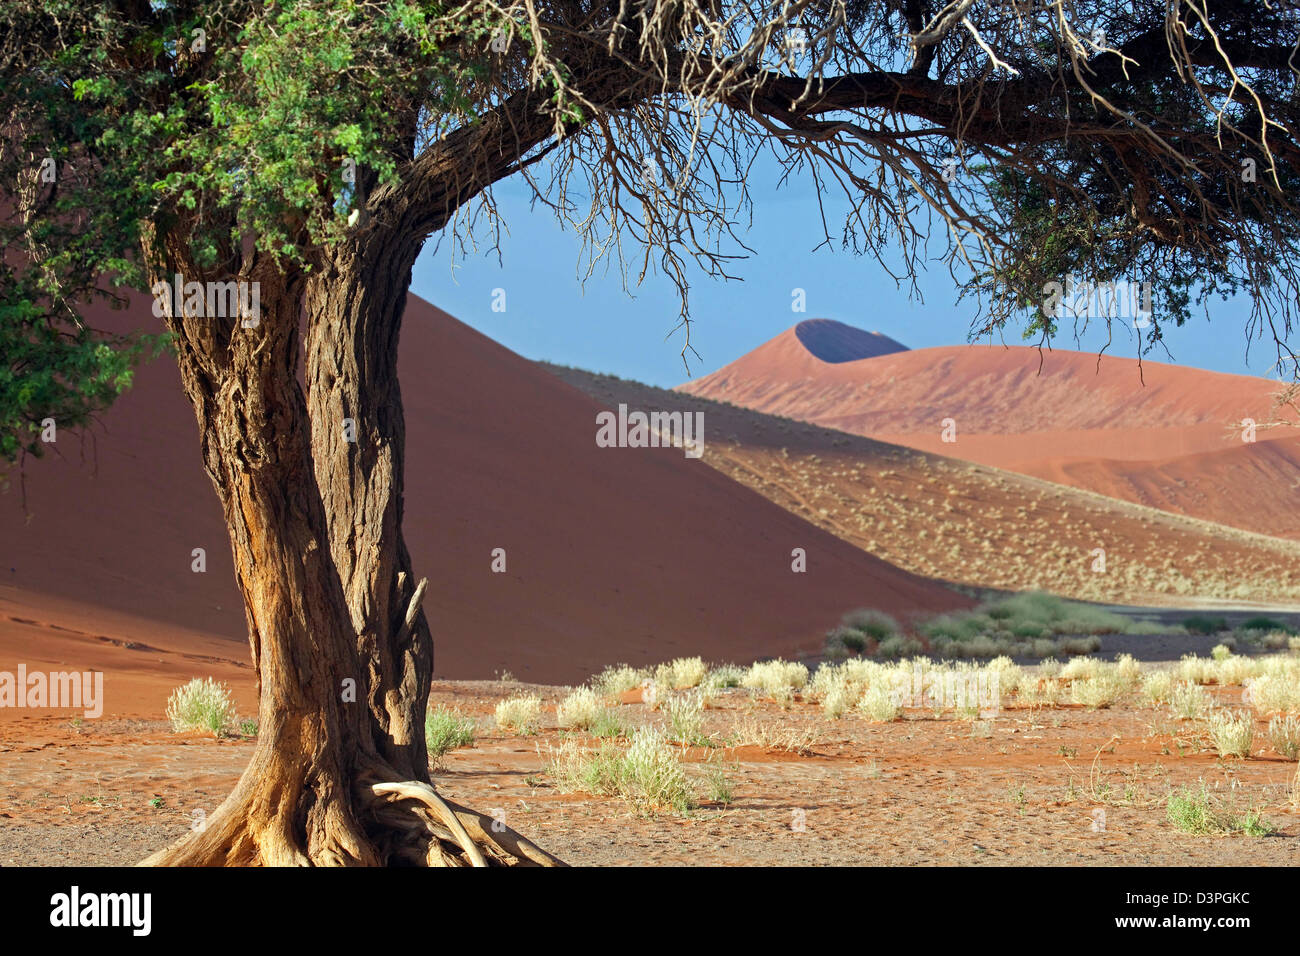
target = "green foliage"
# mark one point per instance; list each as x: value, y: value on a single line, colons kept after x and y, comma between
x: 445, y: 730
x: 1196, y: 811
x: 1205, y: 624
x: 125, y: 126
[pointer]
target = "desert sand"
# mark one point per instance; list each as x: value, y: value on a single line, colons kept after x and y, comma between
x: 1166, y: 436
x: 612, y: 555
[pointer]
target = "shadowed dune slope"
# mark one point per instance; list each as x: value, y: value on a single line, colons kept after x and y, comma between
x: 612, y: 554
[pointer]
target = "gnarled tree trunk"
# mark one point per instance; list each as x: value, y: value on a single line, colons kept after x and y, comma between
x: 339, y: 772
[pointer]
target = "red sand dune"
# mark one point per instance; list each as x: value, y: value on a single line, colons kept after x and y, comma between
x: 634, y: 555
x: 1161, y: 435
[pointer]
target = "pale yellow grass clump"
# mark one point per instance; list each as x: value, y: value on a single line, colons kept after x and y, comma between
x: 681, y: 674
x: 778, y: 679
x: 1100, y: 690
x: 1275, y: 694
x: 579, y: 710
x: 1232, y: 734
x: 1040, y: 692
x: 1196, y: 670
x: 879, y: 704
x: 519, y: 714
x: 618, y: 679
x: 1188, y: 701
x: 1156, y: 686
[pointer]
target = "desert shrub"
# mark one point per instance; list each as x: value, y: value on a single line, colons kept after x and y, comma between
x: 842, y: 641
x: 1197, y: 670
x: 1049, y: 668
x: 1261, y: 623
x: 1079, y: 645
x: 1284, y: 736
x: 1231, y: 734
x: 1127, y: 667
x: 1156, y: 686
x: 574, y: 768
x: 579, y: 709
x: 879, y: 704
x: 446, y: 729
x: 957, y: 627
x: 1272, y: 640
x: 899, y: 646
x: 1079, y: 668
x: 1221, y: 652
x: 681, y: 674
x: 1100, y: 690
x: 876, y: 625
x: 1275, y: 693
x: 618, y: 679
x: 837, y: 700
x: 1194, y: 811
x: 651, y: 776
x: 1034, y: 613
x: 520, y: 714
x: 607, y: 723
x: 1205, y: 624
x: 1044, y: 692
x: 684, y: 714
x: 724, y: 675
x: 1042, y: 647
x: 202, y: 704
x: 779, y: 679
x: 1188, y: 701
x: 1008, y: 673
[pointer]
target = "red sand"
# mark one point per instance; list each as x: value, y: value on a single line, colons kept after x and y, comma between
x: 1161, y: 435
x: 634, y: 555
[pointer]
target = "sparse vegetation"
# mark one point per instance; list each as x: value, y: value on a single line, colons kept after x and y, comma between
x: 202, y: 704
x: 445, y: 729
x: 684, y: 714
x: 579, y: 710
x: 879, y: 704
x: 681, y: 674
x: 520, y: 714
x: 778, y: 679
x: 1205, y: 624
x: 618, y: 679
x: 1232, y: 734
x: 1195, y: 811
x: 1188, y: 701
x: 646, y: 773
x: 1284, y: 737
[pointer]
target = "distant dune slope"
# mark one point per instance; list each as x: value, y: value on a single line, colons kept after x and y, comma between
x: 1161, y: 435
x: 975, y: 524
x: 613, y: 554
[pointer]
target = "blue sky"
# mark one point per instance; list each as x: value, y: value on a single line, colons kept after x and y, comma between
x: 549, y: 315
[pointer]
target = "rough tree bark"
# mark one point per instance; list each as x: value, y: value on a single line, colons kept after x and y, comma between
x: 354, y: 305
x: 332, y: 780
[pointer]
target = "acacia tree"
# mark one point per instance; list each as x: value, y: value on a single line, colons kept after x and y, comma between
x: 312, y: 146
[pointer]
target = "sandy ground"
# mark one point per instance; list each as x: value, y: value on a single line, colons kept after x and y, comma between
x: 1021, y: 788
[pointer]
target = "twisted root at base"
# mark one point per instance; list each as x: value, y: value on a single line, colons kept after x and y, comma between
x: 392, y: 823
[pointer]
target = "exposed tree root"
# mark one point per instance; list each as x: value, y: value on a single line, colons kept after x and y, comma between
x: 389, y: 823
